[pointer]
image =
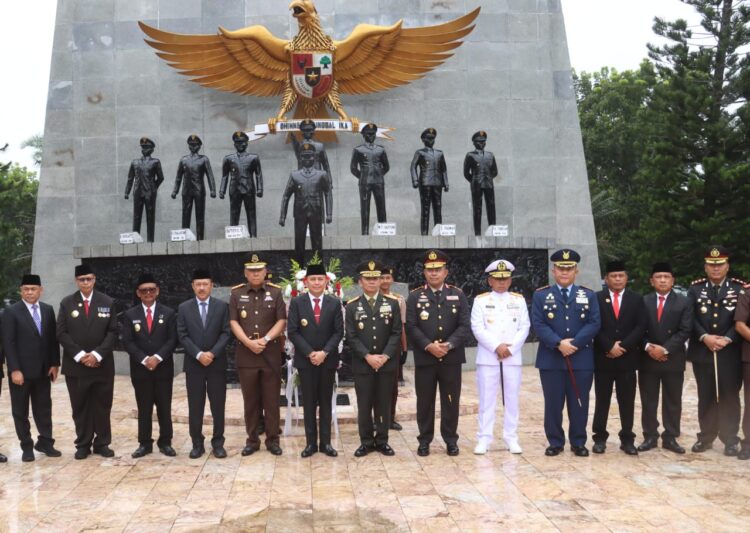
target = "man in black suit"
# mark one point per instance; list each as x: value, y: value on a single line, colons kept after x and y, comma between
x: 315, y: 327
x: 438, y: 324
x: 87, y: 330
x: 669, y: 322
x: 203, y: 330
x: 373, y: 332
x: 33, y: 356
x: 149, y: 333
x: 616, y: 356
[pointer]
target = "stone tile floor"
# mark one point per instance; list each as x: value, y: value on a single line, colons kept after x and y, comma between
x: 498, y: 492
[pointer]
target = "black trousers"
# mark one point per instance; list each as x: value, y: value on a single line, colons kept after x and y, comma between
x: 476, y: 204
x: 373, y: 398
x: 746, y: 415
x: 212, y: 381
x: 365, y: 192
x: 38, y: 392
x: 671, y: 403
x: 315, y: 221
x: 625, y: 384
x: 149, y: 393
x: 426, y: 381
x: 236, y: 201
x: 317, y: 392
x: 720, y: 418
x: 139, y: 202
x: 430, y: 196
x: 200, y: 213
x: 91, y: 404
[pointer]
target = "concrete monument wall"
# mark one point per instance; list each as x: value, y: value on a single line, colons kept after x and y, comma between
x: 108, y: 88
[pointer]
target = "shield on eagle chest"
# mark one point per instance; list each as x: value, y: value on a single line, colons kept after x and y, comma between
x: 312, y: 73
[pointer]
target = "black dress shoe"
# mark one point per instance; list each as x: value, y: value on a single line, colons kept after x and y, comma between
x: 167, y: 450
x: 105, y: 451
x: 140, y: 451
x: 580, y: 451
x: 3, y: 459
x: 82, y: 453
x: 362, y: 451
x: 648, y: 444
x: 309, y: 450
x: 396, y: 426
x: 423, y: 450
x: 701, y: 446
x: 28, y: 455
x: 275, y: 449
x: 744, y: 454
x: 197, y: 452
x: 452, y: 449
x: 551, y: 451
x: 599, y: 447
x: 385, y: 449
x: 329, y: 450
x: 628, y: 447
x: 672, y: 445
x: 220, y: 452
x: 47, y: 449
x: 249, y: 450
x: 732, y: 450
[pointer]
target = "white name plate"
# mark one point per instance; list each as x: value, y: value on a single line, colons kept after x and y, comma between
x: 444, y: 230
x: 183, y: 234
x: 236, y: 232
x: 132, y: 237
x: 496, y: 231
x: 384, y: 229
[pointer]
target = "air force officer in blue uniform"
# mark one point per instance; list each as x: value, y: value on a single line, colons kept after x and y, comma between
x: 565, y: 317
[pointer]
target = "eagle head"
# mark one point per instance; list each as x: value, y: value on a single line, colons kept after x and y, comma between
x: 303, y: 10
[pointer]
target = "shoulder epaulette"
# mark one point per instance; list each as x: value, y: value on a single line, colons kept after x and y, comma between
x: 238, y: 286
x: 483, y: 295
x: 273, y: 284
x: 697, y: 281
x: 542, y: 288
x: 352, y: 300
x: 391, y: 296
x: 740, y: 281
x: 517, y: 294
x: 417, y: 289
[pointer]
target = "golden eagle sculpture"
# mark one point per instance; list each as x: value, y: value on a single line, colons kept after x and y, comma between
x: 312, y: 70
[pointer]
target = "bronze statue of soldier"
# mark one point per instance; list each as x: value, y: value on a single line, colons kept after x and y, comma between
x: 193, y: 168
x: 429, y: 174
x: 242, y: 172
x: 480, y: 169
x: 311, y: 189
x: 307, y: 128
x: 370, y: 164
x: 144, y: 177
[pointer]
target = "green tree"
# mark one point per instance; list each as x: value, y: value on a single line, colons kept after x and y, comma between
x: 34, y: 142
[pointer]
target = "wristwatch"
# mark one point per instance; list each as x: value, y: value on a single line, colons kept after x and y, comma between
x: 267, y: 338
x: 450, y: 346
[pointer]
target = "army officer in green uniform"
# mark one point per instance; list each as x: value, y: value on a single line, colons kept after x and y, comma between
x: 373, y: 332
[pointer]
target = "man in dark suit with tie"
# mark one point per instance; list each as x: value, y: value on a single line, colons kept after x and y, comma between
x: 616, y: 356
x: 315, y: 327
x: 87, y: 331
x: 566, y: 319
x: 438, y: 325
x: 669, y: 320
x: 203, y: 331
x: 149, y: 333
x: 33, y: 356
x: 715, y: 346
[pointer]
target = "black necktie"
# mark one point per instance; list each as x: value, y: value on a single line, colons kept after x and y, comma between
x: 565, y: 294
x: 437, y: 295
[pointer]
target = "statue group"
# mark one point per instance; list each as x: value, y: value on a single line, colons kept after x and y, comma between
x: 311, y: 183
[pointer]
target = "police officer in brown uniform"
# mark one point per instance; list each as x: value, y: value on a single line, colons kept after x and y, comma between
x: 257, y: 316
x: 438, y: 324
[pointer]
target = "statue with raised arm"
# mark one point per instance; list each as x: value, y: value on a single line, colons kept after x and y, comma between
x: 370, y: 165
x: 144, y: 177
x: 429, y: 174
x: 242, y: 173
x: 193, y: 167
x: 480, y: 169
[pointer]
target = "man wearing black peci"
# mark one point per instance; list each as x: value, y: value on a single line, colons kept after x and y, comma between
x: 315, y: 327
x: 616, y: 356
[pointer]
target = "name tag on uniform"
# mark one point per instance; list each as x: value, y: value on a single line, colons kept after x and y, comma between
x: 452, y: 297
x: 244, y: 298
x: 582, y: 300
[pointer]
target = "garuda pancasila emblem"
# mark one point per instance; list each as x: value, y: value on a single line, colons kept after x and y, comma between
x: 312, y: 70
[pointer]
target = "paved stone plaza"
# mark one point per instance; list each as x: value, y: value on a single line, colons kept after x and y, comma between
x: 498, y: 492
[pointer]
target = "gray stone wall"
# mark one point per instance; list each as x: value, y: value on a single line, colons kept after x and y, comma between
x: 107, y: 88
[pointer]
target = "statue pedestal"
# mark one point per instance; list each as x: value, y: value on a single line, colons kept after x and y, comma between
x: 184, y: 234
x: 444, y: 230
x: 496, y: 231
x: 236, y: 232
x: 132, y: 237
x: 384, y: 229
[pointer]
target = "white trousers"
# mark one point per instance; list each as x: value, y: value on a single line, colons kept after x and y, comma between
x: 488, y: 385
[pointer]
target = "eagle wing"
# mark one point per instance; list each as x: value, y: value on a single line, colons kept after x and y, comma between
x: 375, y: 58
x: 250, y: 61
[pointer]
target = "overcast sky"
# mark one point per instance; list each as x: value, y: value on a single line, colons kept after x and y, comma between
x: 600, y: 33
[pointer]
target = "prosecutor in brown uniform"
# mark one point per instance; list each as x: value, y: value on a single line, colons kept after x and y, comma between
x: 257, y: 316
x: 87, y: 330
x: 438, y: 324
